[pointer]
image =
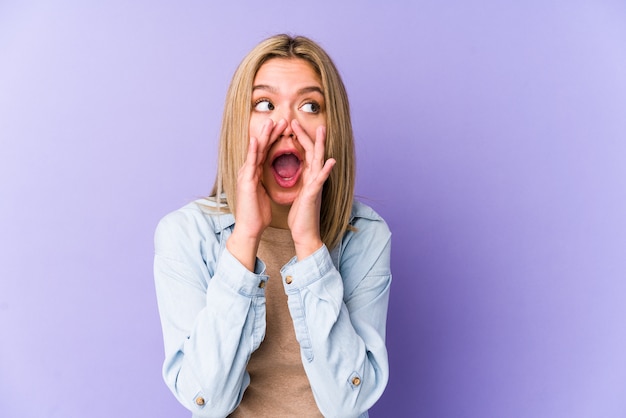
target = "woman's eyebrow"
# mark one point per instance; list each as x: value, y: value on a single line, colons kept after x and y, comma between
x: 310, y: 89
x: 264, y: 87
x: 303, y: 90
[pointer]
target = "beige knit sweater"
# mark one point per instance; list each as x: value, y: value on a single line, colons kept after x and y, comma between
x: 278, y: 384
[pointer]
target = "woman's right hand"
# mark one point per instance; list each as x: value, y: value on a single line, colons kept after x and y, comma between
x: 253, y: 212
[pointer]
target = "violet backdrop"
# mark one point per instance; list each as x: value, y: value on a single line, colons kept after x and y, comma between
x: 491, y: 135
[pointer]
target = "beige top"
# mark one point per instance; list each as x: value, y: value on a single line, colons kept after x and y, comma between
x: 278, y: 384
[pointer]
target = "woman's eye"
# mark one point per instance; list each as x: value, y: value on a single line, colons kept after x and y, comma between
x: 263, y: 105
x: 311, y: 107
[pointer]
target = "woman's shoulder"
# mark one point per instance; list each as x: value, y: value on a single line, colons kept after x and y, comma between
x: 369, y: 233
x: 200, y: 218
x: 361, y: 210
x: 364, y: 249
x: 365, y: 218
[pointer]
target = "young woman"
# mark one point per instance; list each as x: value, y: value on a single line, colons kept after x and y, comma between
x: 273, y: 291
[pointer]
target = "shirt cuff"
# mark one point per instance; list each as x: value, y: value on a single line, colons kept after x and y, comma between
x: 236, y: 276
x: 298, y: 274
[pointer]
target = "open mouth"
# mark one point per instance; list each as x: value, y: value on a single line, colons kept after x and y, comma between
x: 286, y: 169
x: 286, y: 165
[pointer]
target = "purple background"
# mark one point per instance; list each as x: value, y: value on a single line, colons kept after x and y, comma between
x: 491, y: 136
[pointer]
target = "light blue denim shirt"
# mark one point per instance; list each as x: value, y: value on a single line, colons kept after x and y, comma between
x: 213, y: 312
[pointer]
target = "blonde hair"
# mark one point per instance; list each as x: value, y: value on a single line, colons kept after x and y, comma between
x: 338, y: 191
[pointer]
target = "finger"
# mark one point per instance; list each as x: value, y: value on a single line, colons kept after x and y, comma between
x: 304, y: 140
x: 316, y: 150
x: 271, y: 135
x: 317, y: 181
x: 249, y: 164
x: 266, y: 130
x: 320, y: 146
x: 325, y: 172
x: 278, y: 130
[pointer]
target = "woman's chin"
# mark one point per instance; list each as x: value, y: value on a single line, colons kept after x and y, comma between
x: 284, y: 197
x: 283, y: 200
x: 278, y: 193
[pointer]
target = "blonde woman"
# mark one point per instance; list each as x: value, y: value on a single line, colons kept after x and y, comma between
x: 273, y: 291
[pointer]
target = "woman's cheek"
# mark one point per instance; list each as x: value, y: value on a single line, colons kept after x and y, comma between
x: 255, y: 126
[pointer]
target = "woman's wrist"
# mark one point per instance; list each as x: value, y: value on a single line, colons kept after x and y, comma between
x: 304, y: 250
x: 244, y: 248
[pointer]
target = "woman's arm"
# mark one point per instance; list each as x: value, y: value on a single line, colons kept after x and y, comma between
x: 212, y: 304
x: 339, y: 315
x: 212, y: 313
x: 340, y: 320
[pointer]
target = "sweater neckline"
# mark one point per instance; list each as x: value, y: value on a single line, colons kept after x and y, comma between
x: 277, y: 236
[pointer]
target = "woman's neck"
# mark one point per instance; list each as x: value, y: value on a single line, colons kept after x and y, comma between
x: 280, y: 215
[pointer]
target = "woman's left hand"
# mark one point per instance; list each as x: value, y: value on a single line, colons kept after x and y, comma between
x: 304, y: 215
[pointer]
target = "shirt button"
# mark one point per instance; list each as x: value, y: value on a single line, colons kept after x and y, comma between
x: 200, y: 401
x: 356, y: 381
x: 262, y: 284
x: 288, y: 279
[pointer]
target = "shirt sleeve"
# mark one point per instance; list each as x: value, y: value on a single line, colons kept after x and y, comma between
x: 212, y: 320
x: 340, y: 320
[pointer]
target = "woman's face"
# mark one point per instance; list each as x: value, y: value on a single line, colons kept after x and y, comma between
x: 286, y: 88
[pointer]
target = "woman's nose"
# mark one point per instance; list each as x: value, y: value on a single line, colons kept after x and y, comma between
x: 288, y: 115
x: 288, y: 130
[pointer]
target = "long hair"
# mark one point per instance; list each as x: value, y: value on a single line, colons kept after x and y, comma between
x: 338, y: 191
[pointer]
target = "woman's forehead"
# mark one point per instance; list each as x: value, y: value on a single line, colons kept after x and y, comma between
x: 276, y: 71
